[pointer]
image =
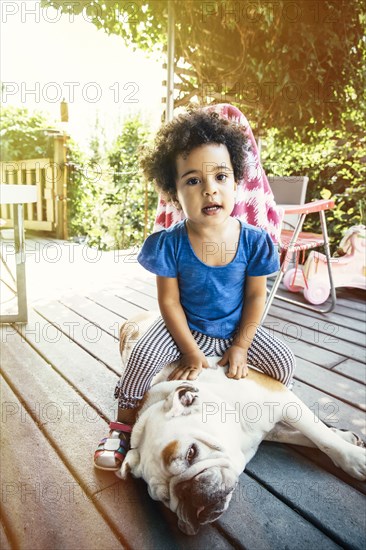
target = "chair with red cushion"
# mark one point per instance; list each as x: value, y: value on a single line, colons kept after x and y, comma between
x: 293, y: 243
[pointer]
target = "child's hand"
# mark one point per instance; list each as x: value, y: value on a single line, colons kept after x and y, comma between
x: 236, y: 357
x: 190, y: 365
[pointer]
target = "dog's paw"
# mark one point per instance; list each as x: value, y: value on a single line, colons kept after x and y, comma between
x: 353, y: 461
x: 359, y: 464
x: 350, y: 437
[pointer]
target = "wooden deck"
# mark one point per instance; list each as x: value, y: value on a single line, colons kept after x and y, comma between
x: 58, y: 376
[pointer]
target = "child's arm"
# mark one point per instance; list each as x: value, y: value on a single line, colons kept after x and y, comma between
x: 254, y: 302
x: 192, y: 360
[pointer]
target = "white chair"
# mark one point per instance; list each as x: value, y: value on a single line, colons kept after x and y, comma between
x: 289, y: 190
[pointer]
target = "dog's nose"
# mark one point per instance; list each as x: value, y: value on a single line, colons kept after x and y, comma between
x: 182, y: 490
x: 202, y: 504
x: 204, y: 490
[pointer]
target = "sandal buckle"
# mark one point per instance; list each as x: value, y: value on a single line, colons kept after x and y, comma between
x: 112, y: 444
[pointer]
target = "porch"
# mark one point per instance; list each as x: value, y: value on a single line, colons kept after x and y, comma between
x: 59, y: 372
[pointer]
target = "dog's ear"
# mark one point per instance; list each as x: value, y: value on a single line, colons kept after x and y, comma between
x: 182, y: 400
x: 130, y: 464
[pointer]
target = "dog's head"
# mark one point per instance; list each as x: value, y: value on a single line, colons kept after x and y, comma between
x: 190, y: 461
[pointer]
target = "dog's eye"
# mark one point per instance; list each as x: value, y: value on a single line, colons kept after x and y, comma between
x: 191, y: 453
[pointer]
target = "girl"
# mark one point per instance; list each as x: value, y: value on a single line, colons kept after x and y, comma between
x: 211, y: 272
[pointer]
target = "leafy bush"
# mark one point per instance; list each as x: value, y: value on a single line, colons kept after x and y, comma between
x: 132, y: 200
x: 281, y: 62
x: 106, y: 196
x: 110, y: 204
x: 84, y: 196
x: 334, y: 161
x: 30, y: 135
x: 24, y: 135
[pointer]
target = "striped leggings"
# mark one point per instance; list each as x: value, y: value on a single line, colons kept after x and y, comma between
x: 156, y: 349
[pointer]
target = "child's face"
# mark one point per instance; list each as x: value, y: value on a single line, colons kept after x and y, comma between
x: 205, y: 184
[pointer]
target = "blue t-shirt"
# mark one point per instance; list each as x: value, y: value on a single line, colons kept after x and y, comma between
x: 211, y: 296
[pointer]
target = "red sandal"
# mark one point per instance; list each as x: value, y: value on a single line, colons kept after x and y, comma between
x: 112, y: 450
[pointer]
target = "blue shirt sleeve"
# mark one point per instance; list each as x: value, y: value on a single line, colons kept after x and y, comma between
x: 158, y: 255
x: 264, y: 259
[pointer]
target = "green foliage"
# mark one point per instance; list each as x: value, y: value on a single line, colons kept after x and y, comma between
x: 131, y: 197
x: 87, y: 182
x: 97, y: 143
x: 24, y: 135
x: 83, y: 194
x: 334, y: 161
x: 105, y: 196
x: 283, y: 63
x: 107, y: 206
x: 28, y: 135
x: 141, y: 24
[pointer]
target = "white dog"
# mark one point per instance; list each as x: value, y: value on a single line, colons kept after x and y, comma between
x: 192, y: 440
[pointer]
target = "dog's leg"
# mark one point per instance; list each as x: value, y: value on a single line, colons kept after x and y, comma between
x: 283, y: 433
x: 349, y: 436
x: 351, y: 458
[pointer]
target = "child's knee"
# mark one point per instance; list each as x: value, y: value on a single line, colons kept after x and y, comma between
x: 291, y: 361
x: 289, y: 364
x: 284, y: 362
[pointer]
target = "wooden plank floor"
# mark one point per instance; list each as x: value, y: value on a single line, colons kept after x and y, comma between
x: 58, y: 375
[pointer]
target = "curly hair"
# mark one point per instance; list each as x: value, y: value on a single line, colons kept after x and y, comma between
x: 183, y: 134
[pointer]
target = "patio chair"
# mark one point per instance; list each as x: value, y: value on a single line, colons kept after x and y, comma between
x: 293, y: 242
x: 289, y: 190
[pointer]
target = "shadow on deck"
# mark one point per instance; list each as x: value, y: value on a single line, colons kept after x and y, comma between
x: 59, y: 372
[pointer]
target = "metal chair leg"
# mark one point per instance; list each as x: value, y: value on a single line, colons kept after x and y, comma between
x: 281, y: 273
x: 272, y: 294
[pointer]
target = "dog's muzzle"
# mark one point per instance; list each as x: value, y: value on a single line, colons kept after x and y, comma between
x: 204, y: 498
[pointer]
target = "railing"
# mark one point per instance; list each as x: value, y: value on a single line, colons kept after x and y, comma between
x: 49, y: 177
x: 41, y: 173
